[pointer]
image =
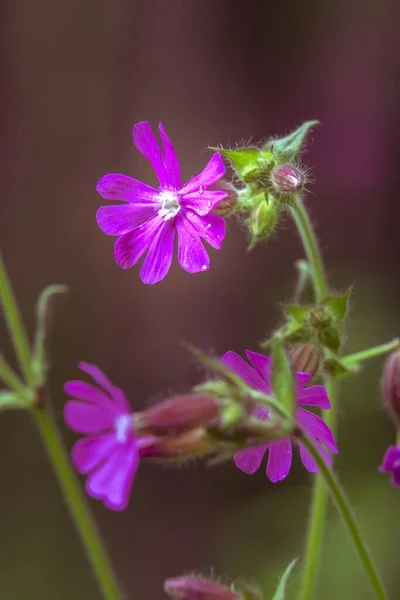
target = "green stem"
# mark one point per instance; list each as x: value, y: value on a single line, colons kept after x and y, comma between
x: 11, y: 379
x: 54, y: 448
x: 15, y: 325
x: 343, y: 506
x: 358, y: 357
x: 77, y: 504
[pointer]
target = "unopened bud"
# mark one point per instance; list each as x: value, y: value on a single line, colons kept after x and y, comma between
x: 306, y: 358
x: 185, y: 445
x: 226, y: 206
x: 191, y: 587
x: 264, y: 219
x: 391, y: 385
x: 286, y: 178
x: 178, y: 414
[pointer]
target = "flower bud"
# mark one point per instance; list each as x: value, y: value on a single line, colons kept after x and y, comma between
x: 263, y: 219
x: 306, y: 358
x: 185, y: 445
x: 226, y: 206
x: 391, y: 385
x: 190, y: 587
x: 178, y: 414
x: 286, y: 178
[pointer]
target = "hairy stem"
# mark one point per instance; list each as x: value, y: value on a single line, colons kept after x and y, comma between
x: 342, y: 504
x: 357, y: 357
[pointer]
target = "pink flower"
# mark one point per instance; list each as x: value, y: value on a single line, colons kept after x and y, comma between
x: 148, y: 220
x: 280, y: 452
x: 109, y: 453
x: 391, y: 463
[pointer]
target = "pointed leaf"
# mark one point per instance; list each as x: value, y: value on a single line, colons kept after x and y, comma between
x: 280, y: 593
x: 39, y: 363
x: 299, y: 313
x: 250, y: 163
x: 338, y: 305
x: 286, y: 149
x: 282, y: 375
x: 330, y: 338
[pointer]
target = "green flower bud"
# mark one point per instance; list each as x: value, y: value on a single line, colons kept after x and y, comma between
x: 287, y: 179
x: 263, y: 219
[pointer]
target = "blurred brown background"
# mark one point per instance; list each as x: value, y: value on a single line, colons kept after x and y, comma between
x: 77, y: 75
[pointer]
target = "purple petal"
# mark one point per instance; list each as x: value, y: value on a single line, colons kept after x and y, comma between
x: 202, y: 201
x: 314, y: 396
x: 308, y: 460
x: 243, y: 369
x: 146, y: 142
x: 88, y: 452
x: 159, y: 257
x: 279, y: 459
x: 249, y: 461
x: 302, y: 379
x: 316, y: 428
x: 173, y: 170
x: 214, y: 170
x: 262, y: 365
x: 392, y: 455
x: 102, y: 380
x: 210, y: 227
x: 396, y: 477
x: 116, y: 220
x: 112, y: 481
x: 87, y: 418
x: 121, y: 187
x: 86, y: 392
x: 192, y: 255
x: 131, y: 246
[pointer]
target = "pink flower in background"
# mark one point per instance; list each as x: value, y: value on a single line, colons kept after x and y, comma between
x: 109, y: 453
x: 148, y: 220
x: 391, y: 463
x: 280, y: 452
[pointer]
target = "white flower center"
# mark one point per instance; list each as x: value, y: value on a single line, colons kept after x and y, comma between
x: 169, y: 204
x: 123, y: 425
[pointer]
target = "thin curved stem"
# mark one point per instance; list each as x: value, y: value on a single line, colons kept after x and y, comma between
x: 357, y: 357
x: 342, y: 504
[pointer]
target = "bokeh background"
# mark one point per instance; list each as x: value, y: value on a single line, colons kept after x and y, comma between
x: 76, y: 77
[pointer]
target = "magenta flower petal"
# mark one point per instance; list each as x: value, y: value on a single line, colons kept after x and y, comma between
x: 203, y: 202
x: 131, y: 246
x: 262, y: 365
x: 146, y: 142
x: 192, y: 255
x: 243, y: 369
x: 308, y: 460
x: 122, y: 218
x: 112, y: 481
x: 314, y: 396
x: 172, y: 167
x: 121, y: 187
x: 316, y: 428
x: 392, y: 456
x: 279, y: 459
x: 159, y: 257
x: 210, y: 227
x: 88, y: 452
x: 249, y: 461
x: 302, y: 379
x: 98, y: 376
x: 111, y: 455
x: 213, y: 171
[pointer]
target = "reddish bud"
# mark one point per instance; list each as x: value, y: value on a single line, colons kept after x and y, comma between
x: 306, y: 358
x: 286, y: 178
x: 185, y: 445
x: 198, y: 588
x: 391, y: 385
x: 225, y: 207
x: 178, y: 414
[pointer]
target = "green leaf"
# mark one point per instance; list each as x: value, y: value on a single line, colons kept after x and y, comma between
x: 286, y: 149
x: 299, y: 313
x: 11, y: 400
x: 338, y: 305
x: 39, y: 362
x: 330, y: 338
x: 337, y: 367
x: 283, y: 384
x: 280, y: 593
x: 251, y: 163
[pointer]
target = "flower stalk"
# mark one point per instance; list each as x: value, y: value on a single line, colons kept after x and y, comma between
x: 54, y: 448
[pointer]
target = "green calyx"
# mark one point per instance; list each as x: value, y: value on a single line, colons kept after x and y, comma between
x: 263, y: 218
